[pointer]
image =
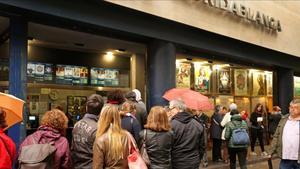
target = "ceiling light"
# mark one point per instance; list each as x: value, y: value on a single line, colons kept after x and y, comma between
x: 109, y: 56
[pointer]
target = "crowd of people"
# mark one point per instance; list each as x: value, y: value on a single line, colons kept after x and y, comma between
x: 174, y: 136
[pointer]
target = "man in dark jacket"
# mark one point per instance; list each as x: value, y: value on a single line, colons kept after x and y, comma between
x: 141, y: 114
x: 84, y: 133
x: 189, y: 144
x: 216, y: 131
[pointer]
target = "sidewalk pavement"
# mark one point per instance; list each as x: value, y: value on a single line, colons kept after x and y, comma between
x: 252, y: 161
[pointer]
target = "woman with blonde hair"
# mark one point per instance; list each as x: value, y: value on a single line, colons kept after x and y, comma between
x: 111, y: 147
x: 158, y: 138
x: 52, y: 131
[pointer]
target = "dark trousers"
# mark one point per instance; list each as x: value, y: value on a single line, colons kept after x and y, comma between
x: 216, y: 151
x: 289, y: 164
x: 257, y: 133
x: 242, y: 155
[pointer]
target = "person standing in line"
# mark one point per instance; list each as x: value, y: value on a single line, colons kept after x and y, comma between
x: 138, y: 98
x: 52, y: 130
x: 257, y: 128
x: 84, y: 133
x: 225, y: 120
x: 216, y: 131
x: 203, y: 119
x: 128, y: 120
x: 116, y: 97
x: 7, y: 146
x: 158, y: 138
x: 274, y: 119
x: 189, y: 144
x: 141, y: 114
x: 286, y: 140
x: 111, y: 147
x: 241, y: 149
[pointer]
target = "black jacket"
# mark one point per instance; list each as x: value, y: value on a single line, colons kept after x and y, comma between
x: 189, y: 142
x: 132, y: 125
x: 254, y: 123
x: 158, y: 146
x: 84, y: 134
x: 273, y: 122
x: 216, y: 128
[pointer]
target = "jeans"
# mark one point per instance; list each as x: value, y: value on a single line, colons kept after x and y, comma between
x: 289, y: 164
x: 242, y: 155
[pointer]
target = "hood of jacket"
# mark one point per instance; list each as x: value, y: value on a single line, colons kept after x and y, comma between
x: 236, y: 117
x: 183, y: 117
x: 47, y: 134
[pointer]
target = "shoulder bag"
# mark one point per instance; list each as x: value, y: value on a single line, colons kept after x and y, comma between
x: 144, y: 153
x: 134, y: 158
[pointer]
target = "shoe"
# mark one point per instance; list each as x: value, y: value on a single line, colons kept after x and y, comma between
x: 205, y: 165
x: 264, y: 153
x: 253, y: 153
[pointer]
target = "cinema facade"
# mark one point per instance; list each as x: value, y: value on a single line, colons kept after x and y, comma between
x: 56, y: 53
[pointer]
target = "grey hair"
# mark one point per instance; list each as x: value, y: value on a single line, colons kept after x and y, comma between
x: 295, y: 101
x: 178, y: 104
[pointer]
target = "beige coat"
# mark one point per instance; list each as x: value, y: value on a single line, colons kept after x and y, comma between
x: 101, y: 160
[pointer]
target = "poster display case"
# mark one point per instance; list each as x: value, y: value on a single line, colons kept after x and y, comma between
x: 258, y: 84
x: 40, y: 72
x: 224, y: 81
x: 183, y: 75
x: 224, y: 100
x: 104, y: 77
x: 243, y: 103
x: 240, y: 82
x: 296, y: 86
x: 202, y: 78
x: 69, y: 74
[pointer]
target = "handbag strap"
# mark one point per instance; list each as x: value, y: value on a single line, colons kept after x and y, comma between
x: 131, y: 142
x: 8, y: 152
x: 144, y: 138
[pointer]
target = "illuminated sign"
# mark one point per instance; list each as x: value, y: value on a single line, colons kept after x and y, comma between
x: 246, y: 13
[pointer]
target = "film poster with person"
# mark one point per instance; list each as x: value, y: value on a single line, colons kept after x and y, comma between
x: 183, y: 75
x: 202, y: 78
x: 224, y: 81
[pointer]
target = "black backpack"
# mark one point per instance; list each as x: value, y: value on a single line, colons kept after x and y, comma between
x: 37, y: 156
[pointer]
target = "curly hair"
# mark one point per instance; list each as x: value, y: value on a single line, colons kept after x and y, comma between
x: 116, y: 97
x: 56, y: 119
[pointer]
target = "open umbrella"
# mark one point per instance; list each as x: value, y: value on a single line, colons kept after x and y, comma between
x: 13, y: 107
x: 192, y: 99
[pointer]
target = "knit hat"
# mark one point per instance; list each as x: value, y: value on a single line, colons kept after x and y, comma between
x: 232, y: 106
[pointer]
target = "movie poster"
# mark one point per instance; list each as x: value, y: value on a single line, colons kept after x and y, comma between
x: 296, y: 86
x: 224, y: 83
x: 243, y: 103
x: 269, y: 79
x: 256, y: 100
x: 202, y: 78
x: 240, y: 82
x: 76, y: 105
x: 183, y: 75
x: 224, y: 100
x: 259, y: 86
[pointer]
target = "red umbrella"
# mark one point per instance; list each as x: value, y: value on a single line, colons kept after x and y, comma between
x: 192, y: 99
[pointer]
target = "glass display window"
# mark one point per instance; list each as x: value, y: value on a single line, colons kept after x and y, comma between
x: 241, y: 82
x: 183, y: 74
x: 296, y: 86
x: 202, y: 77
